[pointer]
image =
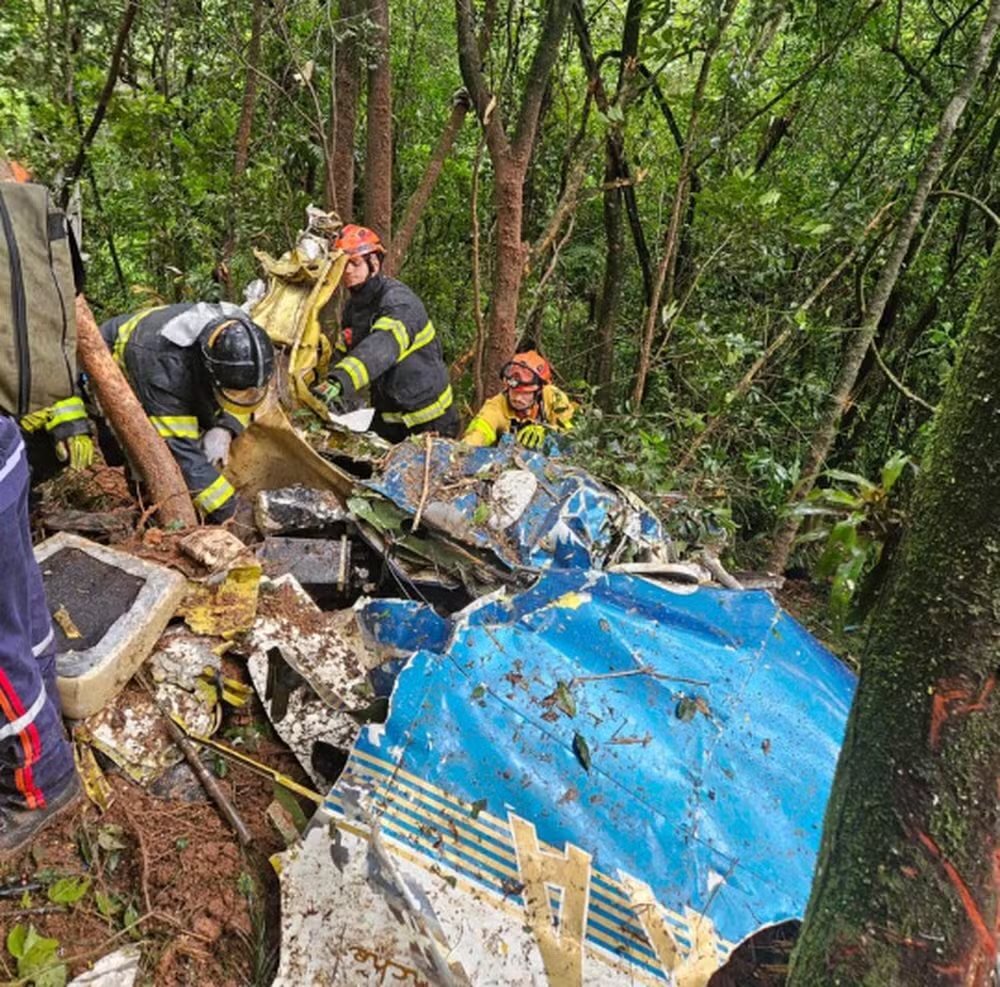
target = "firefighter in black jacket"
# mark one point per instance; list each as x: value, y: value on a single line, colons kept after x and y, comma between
x: 199, y: 371
x: 391, y: 347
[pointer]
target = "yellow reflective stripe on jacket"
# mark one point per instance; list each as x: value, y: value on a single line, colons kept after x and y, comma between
x: 422, y: 415
x: 67, y: 410
x: 421, y: 339
x: 176, y: 426
x: 214, y: 495
x: 397, y: 328
x: 354, y: 369
x: 125, y: 331
x: 484, y: 428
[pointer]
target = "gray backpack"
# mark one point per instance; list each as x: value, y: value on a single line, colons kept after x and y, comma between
x: 37, y: 307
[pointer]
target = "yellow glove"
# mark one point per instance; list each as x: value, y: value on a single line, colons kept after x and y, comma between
x: 36, y: 420
x: 531, y: 436
x: 78, y: 450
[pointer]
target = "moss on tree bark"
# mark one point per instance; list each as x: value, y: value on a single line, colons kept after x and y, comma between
x: 906, y: 886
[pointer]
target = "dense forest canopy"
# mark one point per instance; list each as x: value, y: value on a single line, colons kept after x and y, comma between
x: 741, y: 164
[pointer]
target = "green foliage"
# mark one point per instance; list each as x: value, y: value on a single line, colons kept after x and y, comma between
x: 853, y: 521
x: 36, y: 957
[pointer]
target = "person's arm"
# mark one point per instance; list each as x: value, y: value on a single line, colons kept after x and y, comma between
x: 391, y: 338
x: 489, y: 424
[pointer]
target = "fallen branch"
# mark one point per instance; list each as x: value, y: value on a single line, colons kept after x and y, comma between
x: 428, y: 448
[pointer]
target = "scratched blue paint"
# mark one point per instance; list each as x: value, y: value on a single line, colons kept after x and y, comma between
x: 573, y: 520
x: 708, y: 779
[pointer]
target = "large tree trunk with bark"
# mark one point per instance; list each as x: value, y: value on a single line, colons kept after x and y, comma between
x: 909, y: 874
x: 511, y: 157
x: 840, y: 393
x: 146, y: 450
x: 508, y: 272
x: 344, y: 114
x: 378, y: 160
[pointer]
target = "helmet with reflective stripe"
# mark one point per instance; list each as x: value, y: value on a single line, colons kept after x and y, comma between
x: 358, y: 241
x: 527, y: 371
x: 239, y: 357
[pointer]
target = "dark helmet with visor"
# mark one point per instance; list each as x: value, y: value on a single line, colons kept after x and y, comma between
x: 239, y: 358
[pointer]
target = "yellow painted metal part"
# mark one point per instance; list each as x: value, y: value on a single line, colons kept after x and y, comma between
x: 271, y: 454
x: 223, y: 609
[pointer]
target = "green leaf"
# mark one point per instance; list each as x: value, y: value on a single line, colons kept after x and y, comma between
x: 582, y: 750
x: 479, y: 692
x: 769, y: 198
x: 16, y: 939
x: 686, y: 709
x: 111, y: 837
x: 862, y: 483
x: 481, y: 514
x: 893, y: 469
x: 69, y: 890
x: 108, y: 905
x: 563, y: 698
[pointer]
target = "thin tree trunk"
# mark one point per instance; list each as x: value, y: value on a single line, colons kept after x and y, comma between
x: 244, y: 129
x: 344, y: 116
x: 840, y: 393
x: 417, y: 202
x: 378, y: 159
x: 667, y: 269
x: 146, y: 450
x: 73, y: 171
x: 907, y: 889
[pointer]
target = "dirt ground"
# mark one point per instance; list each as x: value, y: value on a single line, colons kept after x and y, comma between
x: 165, y: 874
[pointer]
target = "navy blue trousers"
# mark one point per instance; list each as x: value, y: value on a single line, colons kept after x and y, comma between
x: 36, y: 760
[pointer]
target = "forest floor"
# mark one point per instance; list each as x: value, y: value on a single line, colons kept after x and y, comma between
x: 166, y: 874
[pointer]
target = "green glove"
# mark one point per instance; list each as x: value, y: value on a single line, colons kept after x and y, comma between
x: 531, y: 436
x: 78, y: 450
x: 329, y: 392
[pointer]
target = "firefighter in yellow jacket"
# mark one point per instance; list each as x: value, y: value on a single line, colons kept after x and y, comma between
x: 530, y: 406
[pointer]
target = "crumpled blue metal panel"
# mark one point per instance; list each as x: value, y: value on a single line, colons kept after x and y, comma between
x: 713, y: 723
x: 572, y: 521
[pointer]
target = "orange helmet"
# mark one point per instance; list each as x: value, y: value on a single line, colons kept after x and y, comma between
x: 16, y: 172
x: 358, y: 241
x: 526, y: 372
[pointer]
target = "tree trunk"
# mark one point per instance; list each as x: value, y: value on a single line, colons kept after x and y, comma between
x: 378, y: 159
x: 73, y: 171
x: 244, y: 129
x: 507, y: 273
x: 840, y: 394
x: 146, y: 450
x: 418, y: 201
x: 663, y: 289
x: 510, y: 157
x: 344, y: 116
x: 611, y: 288
x: 908, y: 880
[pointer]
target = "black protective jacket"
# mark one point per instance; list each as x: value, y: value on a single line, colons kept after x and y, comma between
x: 394, y: 349
x: 158, y: 350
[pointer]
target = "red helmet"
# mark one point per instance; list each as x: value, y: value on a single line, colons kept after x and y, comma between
x: 527, y: 371
x: 358, y: 241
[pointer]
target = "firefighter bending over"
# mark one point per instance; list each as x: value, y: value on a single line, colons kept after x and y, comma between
x: 199, y: 371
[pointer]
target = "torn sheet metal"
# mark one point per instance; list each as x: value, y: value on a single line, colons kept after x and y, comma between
x: 223, y: 605
x: 595, y: 781
x: 309, y: 669
x: 526, y: 508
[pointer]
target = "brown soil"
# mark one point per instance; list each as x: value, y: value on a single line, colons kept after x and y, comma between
x: 202, y: 909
